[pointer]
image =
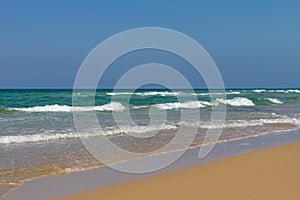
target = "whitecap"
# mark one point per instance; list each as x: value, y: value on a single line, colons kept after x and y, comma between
x: 113, y: 106
x: 153, y: 93
x: 294, y: 91
x: 237, y: 101
x: 216, y: 93
x: 184, y: 105
x: 275, y: 101
x: 258, y: 91
x: 44, y: 137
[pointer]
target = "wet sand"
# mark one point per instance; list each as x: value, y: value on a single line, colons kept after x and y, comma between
x: 271, y: 173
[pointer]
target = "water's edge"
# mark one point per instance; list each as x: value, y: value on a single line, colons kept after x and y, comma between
x: 67, y: 184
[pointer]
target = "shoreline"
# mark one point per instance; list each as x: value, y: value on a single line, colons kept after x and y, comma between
x: 90, y: 178
x: 15, y: 188
x: 271, y: 173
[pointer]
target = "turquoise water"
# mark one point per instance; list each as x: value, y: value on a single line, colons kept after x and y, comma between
x: 38, y: 136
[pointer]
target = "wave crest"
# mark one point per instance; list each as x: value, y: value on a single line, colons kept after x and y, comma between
x: 113, y: 106
x: 44, y: 137
x: 275, y: 101
x: 237, y: 101
x: 184, y: 105
x: 154, y: 93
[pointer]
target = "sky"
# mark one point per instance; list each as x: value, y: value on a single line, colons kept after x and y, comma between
x: 255, y: 44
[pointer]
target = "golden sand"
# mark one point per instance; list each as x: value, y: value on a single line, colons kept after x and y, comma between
x: 268, y: 174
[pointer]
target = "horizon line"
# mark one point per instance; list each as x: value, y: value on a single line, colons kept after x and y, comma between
x: 228, y: 88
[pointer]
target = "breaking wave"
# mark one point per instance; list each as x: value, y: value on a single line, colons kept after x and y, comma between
x: 154, y: 93
x: 237, y: 101
x: 113, y: 106
x: 275, y: 101
x: 258, y: 91
x: 184, y: 105
x: 215, y: 93
x: 44, y: 137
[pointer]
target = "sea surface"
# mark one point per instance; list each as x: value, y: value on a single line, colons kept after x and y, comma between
x: 38, y: 136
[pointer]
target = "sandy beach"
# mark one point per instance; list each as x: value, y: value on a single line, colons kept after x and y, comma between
x: 271, y: 173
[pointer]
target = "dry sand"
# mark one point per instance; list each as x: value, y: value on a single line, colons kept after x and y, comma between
x: 272, y: 173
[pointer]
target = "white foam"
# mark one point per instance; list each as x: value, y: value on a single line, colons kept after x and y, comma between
x: 275, y: 101
x: 33, y: 138
x: 139, y: 129
x: 244, y: 123
x: 282, y: 91
x: 153, y: 93
x: 159, y: 93
x: 118, y: 93
x: 164, y: 93
x: 258, y: 91
x: 138, y: 107
x: 184, y: 105
x: 286, y: 120
x: 113, y: 106
x: 43, y: 137
x: 294, y: 91
x: 215, y: 93
x: 237, y: 101
x: 286, y: 91
x: 240, y: 124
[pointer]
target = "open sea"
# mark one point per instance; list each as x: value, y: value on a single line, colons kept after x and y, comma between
x: 38, y: 136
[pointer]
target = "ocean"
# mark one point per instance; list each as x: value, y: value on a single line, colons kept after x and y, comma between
x: 38, y: 136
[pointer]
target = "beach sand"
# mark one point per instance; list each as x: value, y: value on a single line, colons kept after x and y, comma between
x: 272, y: 173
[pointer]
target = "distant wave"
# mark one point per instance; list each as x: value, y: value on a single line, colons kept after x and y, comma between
x: 277, y: 91
x: 275, y: 101
x: 118, y: 107
x: 259, y: 91
x: 156, y: 93
x: 159, y: 93
x: 184, y: 105
x: 216, y: 93
x: 237, y: 101
x: 285, y: 91
x: 113, y: 106
x: 118, y: 93
x: 294, y: 91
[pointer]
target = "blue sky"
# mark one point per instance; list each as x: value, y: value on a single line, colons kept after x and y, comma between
x: 254, y: 43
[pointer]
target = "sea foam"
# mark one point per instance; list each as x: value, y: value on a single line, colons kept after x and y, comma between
x: 110, y: 131
x: 258, y: 91
x: 237, y: 101
x: 184, y: 105
x: 245, y: 123
x: 154, y: 93
x: 113, y: 106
